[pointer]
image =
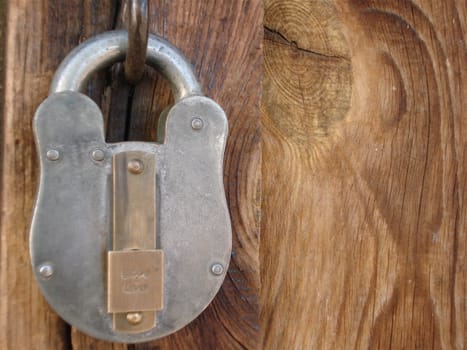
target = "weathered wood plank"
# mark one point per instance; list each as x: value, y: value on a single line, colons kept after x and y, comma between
x: 38, y: 34
x: 364, y: 179
x: 223, y: 41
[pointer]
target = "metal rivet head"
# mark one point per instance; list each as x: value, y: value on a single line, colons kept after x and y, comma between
x: 217, y: 269
x: 53, y: 154
x: 197, y: 123
x: 134, y: 317
x: 98, y: 155
x: 135, y: 166
x: 46, y: 270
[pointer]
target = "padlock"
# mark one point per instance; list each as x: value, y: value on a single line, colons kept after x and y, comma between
x: 129, y: 241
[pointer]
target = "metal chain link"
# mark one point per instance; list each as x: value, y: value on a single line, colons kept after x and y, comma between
x: 138, y: 29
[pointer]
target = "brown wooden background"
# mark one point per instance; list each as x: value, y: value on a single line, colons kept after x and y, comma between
x: 364, y: 132
x: 364, y: 174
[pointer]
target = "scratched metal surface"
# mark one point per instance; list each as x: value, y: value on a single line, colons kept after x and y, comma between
x: 71, y: 227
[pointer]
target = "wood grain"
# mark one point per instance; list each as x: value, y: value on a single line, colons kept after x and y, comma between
x: 38, y: 35
x: 364, y: 175
x: 223, y: 40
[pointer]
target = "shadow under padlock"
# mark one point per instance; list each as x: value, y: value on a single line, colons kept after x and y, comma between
x: 130, y: 241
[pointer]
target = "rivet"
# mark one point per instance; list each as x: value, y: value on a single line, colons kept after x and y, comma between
x: 46, y: 270
x: 53, y: 154
x: 98, y: 155
x: 197, y: 123
x: 217, y: 269
x: 134, y: 317
x: 135, y: 166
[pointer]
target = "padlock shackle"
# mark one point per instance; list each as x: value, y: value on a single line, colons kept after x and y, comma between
x: 103, y: 50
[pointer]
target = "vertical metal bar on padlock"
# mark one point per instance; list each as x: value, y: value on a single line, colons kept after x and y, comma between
x: 135, y: 268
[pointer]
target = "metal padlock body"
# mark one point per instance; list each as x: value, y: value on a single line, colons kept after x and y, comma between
x: 71, y: 224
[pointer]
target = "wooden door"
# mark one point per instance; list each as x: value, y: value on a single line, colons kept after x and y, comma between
x: 222, y: 39
x: 362, y: 174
